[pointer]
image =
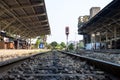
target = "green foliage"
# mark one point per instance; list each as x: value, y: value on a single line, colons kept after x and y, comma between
x: 71, y: 46
x: 59, y: 47
x: 41, y: 38
x: 37, y: 43
x: 54, y: 44
x: 48, y: 46
x: 62, y: 44
x: 81, y: 45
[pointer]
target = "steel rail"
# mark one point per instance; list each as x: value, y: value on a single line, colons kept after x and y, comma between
x: 106, y: 66
x: 56, y: 75
x: 9, y: 64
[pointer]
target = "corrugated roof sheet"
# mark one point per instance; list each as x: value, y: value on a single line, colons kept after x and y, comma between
x: 27, y: 18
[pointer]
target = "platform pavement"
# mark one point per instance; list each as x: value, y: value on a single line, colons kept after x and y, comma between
x: 6, y: 54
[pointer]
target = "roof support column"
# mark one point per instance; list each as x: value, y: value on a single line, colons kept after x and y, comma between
x: 30, y: 43
x: 93, y: 45
x: 100, y: 41
x: 18, y: 44
x: 106, y: 35
x: 95, y: 41
x: 91, y: 41
x: 115, y: 37
x: 87, y: 39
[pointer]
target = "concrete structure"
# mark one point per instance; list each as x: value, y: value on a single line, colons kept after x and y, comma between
x: 103, y: 28
x: 94, y: 11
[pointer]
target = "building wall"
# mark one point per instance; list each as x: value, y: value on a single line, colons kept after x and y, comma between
x: 94, y: 11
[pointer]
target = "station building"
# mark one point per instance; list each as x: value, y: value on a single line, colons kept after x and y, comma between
x: 20, y: 21
x: 102, y: 29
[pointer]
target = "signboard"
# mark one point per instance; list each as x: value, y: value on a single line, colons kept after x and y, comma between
x: 41, y: 45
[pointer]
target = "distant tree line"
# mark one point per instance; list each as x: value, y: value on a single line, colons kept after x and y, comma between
x: 55, y: 45
x: 58, y: 46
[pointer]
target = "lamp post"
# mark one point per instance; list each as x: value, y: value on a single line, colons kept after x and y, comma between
x: 67, y: 33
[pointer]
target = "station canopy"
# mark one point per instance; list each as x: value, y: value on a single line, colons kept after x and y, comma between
x: 27, y: 18
x: 106, y: 20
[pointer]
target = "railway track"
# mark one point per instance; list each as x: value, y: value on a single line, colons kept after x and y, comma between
x: 106, y: 56
x: 53, y: 65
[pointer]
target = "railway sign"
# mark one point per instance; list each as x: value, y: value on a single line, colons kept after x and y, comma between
x: 67, y: 33
x: 67, y: 30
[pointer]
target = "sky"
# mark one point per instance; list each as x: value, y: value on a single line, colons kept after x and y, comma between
x: 62, y: 13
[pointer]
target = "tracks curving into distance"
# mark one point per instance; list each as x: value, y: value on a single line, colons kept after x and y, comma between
x: 57, y: 65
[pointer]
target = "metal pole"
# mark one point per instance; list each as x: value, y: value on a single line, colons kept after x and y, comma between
x: 30, y: 43
x: 100, y: 41
x: 67, y: 33
x: 17, y: 43
x: 115, y: 36
x: 95, y: 40
x: 75, y: 43
x: 106, y: 40
x: 67, y: 42
x: 91, y: 42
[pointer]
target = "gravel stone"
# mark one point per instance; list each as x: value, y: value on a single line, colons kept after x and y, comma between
x: 54, y: 63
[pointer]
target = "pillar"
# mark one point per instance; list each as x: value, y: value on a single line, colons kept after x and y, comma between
x: 17, y: 44
x: 115, y: 37
x: 30, y: 43
x: 100, y: 41
x: 106, y: 35
x: 93, y: 41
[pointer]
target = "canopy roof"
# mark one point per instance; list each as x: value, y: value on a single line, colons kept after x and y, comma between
x: 105, y: 20
x: 27, y: 18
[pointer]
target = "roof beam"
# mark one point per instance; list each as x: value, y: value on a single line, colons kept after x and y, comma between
x: 44, y: 20
x: 104, y: 17
x: 17, y: 29
x: 15, y: 17
x: 43, y: 33
x: 35, y: 22
x: 108, y: 29
x: 45, y: 25
x: 1, y: 13
x: 24, y: 33
x: 37, y: 17
x: 113, y: 20
x: 42, y: 30
x: 26, y: 16
x: 24, y: 6
x: 39, y: 26
x: 8, y: 25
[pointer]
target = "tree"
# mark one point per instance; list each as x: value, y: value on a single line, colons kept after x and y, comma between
x: 37, y: 43
x: 54, y: 44
x: 71, y: 46
x: 81, y: 44
x: 59, y: 47
x: 48, y: 46
x: 63, y: 44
